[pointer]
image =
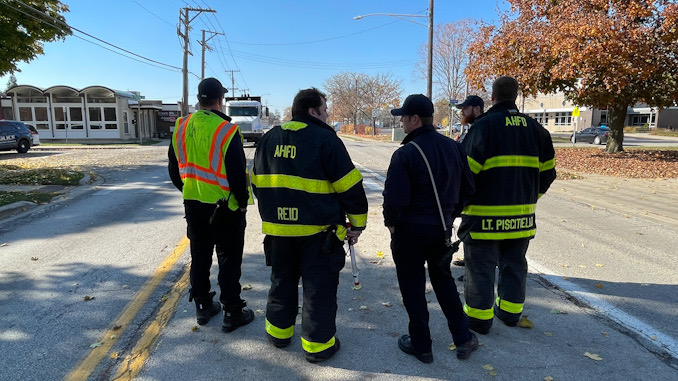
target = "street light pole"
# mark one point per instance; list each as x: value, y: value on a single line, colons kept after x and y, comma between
x: 429, y: 61
x: 429, y: 79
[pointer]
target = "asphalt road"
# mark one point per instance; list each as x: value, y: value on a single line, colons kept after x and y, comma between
x: 603, y: 282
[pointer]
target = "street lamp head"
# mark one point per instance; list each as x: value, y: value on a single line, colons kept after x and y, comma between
x: 358, y: 17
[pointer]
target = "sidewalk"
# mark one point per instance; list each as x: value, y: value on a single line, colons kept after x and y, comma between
x: 568, y: 341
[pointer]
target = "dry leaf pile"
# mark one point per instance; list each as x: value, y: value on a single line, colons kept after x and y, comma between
x: 631, y: 163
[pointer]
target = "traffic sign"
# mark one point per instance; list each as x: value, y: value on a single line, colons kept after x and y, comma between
x: 575, y: 112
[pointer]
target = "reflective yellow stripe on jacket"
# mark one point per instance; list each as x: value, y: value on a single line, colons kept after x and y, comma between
x: 499, y: 210
x: 510, y: 161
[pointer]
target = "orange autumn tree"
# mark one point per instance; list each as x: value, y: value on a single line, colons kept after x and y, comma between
x: 599, y: 53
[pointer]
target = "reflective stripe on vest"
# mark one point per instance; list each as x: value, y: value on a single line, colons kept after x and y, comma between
x: 312, y: 347
x: 279, y: 333
x: 212, y: 175
x: 478, y: 314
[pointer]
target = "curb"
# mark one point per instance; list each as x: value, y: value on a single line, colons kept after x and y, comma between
x: 16, y: 208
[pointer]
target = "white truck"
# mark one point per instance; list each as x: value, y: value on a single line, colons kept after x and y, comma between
x: 247, y: 112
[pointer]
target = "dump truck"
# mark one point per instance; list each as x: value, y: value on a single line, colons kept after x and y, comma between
x: 247, y: 112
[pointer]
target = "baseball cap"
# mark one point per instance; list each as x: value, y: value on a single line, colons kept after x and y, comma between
x: 210, y: 88
x: 415, y: 104
x: 472, y: 100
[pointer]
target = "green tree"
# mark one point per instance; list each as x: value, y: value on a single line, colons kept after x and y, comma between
x: 25, y: 26
x: 11, y: 82
x: 600, y: 53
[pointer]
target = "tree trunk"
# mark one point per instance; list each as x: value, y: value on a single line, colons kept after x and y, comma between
x: 616, y: 117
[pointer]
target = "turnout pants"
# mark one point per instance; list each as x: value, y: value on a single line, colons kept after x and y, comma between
x: 318, y: 265
x: 482, y: 259
x: 227, y: 234
x: 413, y: 245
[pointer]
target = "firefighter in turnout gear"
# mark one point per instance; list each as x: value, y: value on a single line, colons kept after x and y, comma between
x: 306, y: 186
x: 512, y: 158
x: 207, y: 163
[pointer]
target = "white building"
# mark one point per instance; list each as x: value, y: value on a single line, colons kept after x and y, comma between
x: 95, y: 112
x: 555, y: 114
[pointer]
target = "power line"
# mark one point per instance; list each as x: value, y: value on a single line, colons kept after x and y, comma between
x: 314, y: 41
x: 159, y: 18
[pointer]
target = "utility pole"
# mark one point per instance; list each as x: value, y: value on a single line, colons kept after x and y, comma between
x: 204, y: 45
x: 232, y: 80
x: 184, y: 19
x: 429, y: 77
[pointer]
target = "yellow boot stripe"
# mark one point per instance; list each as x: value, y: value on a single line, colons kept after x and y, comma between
x: 312, y: 347
x: 512, y: 308
x: 478, y: 314
x: 279, y: 333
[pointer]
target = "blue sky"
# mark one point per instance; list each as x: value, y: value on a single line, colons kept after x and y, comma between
x: 278, y: 47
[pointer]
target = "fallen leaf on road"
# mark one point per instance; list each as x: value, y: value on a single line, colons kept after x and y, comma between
x: 87, y: 297
x: 96, y: 344
x: 362, y: 308
x: 117, y: 327
x: 195, y: 328
x: 452, y: 346
x: 549, y: 334
x: 582, y: 266
x: 599, y: 265
x: 247, y: 287
x: 599, y: 285
x: 115, y: 355
x: 260, y: 312
x: 380, y: 254
x: 653, y: 337
x: 548, y: 378
x: 605, y: 334
x: 358, y: 287
x: 488, y: 367
x: 386, y: 304
x: 34, y: 258
x: 350, y: 309
x: 593, y: 356
x: 525, y: 322
x: 565, y: 266
x: 4, y: 244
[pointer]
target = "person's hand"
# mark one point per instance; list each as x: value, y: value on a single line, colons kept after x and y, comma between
x: 391, y: 229
x: 352, y: 236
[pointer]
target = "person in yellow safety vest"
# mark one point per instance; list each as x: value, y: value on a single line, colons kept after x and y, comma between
x: 306, y: 186
x: 207, y: 163
x: 512, y: 158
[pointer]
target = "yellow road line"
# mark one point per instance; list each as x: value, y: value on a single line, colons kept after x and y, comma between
x: 131, y: 366
x: 89, y: 364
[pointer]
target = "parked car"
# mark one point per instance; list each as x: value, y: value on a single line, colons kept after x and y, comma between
x: 36, y: 137
x: 15, y: 135
x: 595, y: 135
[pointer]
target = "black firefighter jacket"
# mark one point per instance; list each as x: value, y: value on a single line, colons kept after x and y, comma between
x: 408, y: 192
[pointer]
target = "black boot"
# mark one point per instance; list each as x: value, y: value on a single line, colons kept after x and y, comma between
x: 237, y: 318
x: 205, y: 307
